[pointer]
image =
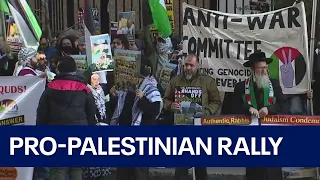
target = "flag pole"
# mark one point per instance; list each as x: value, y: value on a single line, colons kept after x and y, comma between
x: 3, y: 26
x: 312, y: 43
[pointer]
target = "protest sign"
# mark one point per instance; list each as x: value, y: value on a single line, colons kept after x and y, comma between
x: 101, y: 52
x: 18, y: 104
x: 127, y: 69
x: 81, y: 61
x: 224, y: 42
x: 165, y: 73
x: 226, y: 120
x: 17, y: 173
x: 14, y: 38
x: 19, y: 99
x: 190, y: 100
x: 127, y: 24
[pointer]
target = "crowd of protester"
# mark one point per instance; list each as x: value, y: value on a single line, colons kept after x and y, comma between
x: 73, y: 98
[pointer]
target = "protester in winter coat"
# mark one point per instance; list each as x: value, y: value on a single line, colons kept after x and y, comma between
x: 210, y: 100
x: 261, y: 85
x: 249, y: 99
x: 66, y: 101
x: 134, y: 109
x: 99, y: 98
x: 27, y: 63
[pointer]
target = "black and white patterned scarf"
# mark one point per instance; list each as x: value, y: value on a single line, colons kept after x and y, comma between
x: 100, y: 100
x: 150, y: 91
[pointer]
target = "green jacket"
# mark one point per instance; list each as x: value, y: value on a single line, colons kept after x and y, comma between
x: 211, y: 101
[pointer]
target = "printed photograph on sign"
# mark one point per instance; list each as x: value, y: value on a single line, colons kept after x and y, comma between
x: 190, y: 101
x: 127, y: 24
x: 101, y: 52
x: 81, y: 62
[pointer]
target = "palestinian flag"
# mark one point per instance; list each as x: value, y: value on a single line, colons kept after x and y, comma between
x: 89, y: 29
x: 160, y: 17
x: 4, y: 6
x: 29, y: 28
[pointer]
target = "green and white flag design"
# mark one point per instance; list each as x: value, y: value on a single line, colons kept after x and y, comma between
x: 160, y: 17
x: 29, y: 28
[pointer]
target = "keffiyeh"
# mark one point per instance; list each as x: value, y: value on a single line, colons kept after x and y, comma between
x: 99, y: 99
x: 150, y: 91
x: 24, y: 57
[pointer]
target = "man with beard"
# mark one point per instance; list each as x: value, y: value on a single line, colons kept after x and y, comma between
x: 27, y: 63
x: 259, y: 96
x: 211, y: 102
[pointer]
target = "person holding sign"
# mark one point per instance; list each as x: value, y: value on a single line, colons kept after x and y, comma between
x: 211, y: 102
x: 259, y: 96
x: 135, y: 108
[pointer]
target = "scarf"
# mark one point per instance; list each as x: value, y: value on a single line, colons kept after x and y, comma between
x: 99, y: 99
x: 150, y: 91
x: 250, y: 98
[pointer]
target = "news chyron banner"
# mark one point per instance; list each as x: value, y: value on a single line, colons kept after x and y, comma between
x: 224, y: 42
x: 19, y: 98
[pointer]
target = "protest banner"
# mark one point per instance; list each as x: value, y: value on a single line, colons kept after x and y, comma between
x: 19, y: 99
x: 224, y: 42
x: 127, y: 24
x: 18, y: 104
x: 127, y: 69
x: 101, y: 52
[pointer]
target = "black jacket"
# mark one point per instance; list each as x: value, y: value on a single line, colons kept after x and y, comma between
x: 150, y: 110
x: 241, y: 107
x: 66, y: 101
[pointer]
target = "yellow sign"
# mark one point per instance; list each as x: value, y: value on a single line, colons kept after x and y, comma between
x: 169, y: 5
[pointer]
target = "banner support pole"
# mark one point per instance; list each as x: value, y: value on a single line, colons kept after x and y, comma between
x: 312, y: 43
x: 3, y: 26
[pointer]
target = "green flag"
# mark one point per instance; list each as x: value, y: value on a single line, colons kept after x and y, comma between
x: 4, y: 6
x: 160, y: 17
